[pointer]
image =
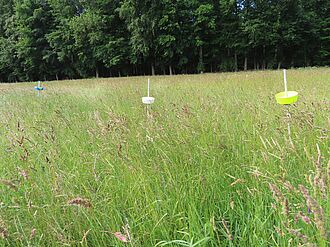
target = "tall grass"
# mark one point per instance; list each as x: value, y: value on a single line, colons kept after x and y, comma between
x: 212, y: 165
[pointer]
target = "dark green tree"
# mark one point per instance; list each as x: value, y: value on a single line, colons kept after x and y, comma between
x: 33, y: 20
x: 56, y: 39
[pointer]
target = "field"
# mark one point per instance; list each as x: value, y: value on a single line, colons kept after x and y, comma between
x: 211, y: 165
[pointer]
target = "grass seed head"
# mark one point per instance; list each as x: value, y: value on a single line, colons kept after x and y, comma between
x: 80, y: 202
x: 297, y: 233
x: 285, y: 206
x: 277, y: 194
x: 229, y: 236
x: 4, y: 234
x: 317, y: 211
x: 8, y: 183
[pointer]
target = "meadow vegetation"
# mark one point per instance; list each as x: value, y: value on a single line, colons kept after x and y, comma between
x: 212, y: 164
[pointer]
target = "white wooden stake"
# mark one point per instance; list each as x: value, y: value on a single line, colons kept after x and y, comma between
x: 285, y: 83
x: 288, y: 116
x: 148, y: 107
x: 148, y: 87
x: 38, y: 87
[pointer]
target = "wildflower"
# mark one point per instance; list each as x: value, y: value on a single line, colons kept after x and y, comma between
x: 33, y: 233
x: 121, y: 237
x: 232, y: 204
x: 24, y: 174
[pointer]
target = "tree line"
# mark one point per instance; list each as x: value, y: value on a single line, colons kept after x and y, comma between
x: 67, y: 39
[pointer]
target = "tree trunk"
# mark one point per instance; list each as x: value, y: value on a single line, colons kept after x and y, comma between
x: 235, y: 58
x: 275, y: 55
x: 201, y: 64
x: 152, y: 69
x: 245, y: 63
x: 97, y: 72
x: 264, y: 57
x: 56, y: 77
x: 279, y: 65
x: 170, y: 68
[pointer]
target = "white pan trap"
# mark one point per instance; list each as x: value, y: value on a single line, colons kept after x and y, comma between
x: 148, y: 100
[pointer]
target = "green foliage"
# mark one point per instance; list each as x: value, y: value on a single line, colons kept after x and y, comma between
x: 53, y: 39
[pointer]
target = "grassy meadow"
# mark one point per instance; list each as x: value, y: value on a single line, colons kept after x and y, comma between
x: 211, y: 165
